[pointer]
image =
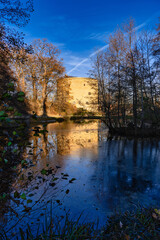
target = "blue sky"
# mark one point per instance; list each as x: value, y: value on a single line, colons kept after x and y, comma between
x: 79, y: 28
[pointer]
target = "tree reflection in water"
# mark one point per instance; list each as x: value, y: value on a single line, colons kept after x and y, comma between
x: 126, y: 173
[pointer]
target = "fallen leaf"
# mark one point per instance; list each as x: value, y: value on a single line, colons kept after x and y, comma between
x: 121, y: 224
x: 154, y: 215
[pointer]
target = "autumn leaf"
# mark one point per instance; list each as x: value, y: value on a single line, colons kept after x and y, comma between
x: 127, y: 237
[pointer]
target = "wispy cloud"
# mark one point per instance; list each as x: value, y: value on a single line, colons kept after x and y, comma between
x: 71, y: 60
x: 97, y: 36
x: 83, y: 61
x: 87, y: 59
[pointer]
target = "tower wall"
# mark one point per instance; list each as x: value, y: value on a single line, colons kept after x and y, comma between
x: 84, y: 93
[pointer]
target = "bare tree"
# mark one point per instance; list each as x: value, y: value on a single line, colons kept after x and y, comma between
x: 49, y: 68
x: 128, y: 75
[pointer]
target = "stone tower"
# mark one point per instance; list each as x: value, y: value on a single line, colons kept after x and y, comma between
x: 80, y: 92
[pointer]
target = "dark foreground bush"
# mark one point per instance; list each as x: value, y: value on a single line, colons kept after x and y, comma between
x: 141, y: 224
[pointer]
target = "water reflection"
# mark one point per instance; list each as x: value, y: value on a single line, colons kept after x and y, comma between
x: 62, y: 140
x: 127, y: 173
x: 74, y: 137
x: 111, y: 173
x: 115, y: 172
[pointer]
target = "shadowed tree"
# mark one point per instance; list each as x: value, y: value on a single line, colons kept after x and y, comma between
x: 148, y: 71
x: 5, y: 72
x: 156, y: 45
x: 131, y: 58
x: 128, y: 75
x: 16, y: 12
x: 12, y: 11
x: 101, y: 72
x: 117, y: 48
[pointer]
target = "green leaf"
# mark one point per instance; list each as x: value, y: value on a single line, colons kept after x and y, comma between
x: 31, y: 194
x: 23, y: 196
x: 20, y: 99
x: 15, y: 150
x: 67, y: 191
x: 10, y: 109
x: 2, y: 118
x: 43, y: 172
x: 43, y: 131
x: 17, y: 114
x: 20, y: 94
x: 10, y: 84
x: 54, y: 179
x: 9, y: 144
x: 8, y: 120
x: 36, y: 135
x: 73, y: 179
x: 66, y: 175
x: 22, y: 177
x: 16, y: 194
x: 3, y: 196
x: 29, y: 201
x: 52, y: 184
x: 5, y: 160
x: 14, y: 133
x: 2, y: 113
x: 23, y: 162
x: 6, y: 95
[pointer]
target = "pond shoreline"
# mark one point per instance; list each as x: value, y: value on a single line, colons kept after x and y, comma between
x: 120, y: 131
x: 136, y: 133
x: 147, y: 132
x: 41, y: 119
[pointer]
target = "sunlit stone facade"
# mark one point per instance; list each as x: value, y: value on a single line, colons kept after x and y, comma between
x: 83, y: 92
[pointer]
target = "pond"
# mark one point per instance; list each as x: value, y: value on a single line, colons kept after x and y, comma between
x: 78, y: 169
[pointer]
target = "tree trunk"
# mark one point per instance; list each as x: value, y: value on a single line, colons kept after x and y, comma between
x: 134, y: 100
x: 34, y: 95
x: 23, y: 82
x: 44, y: 98
x: 119, y: 97
x: 142, y: 107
